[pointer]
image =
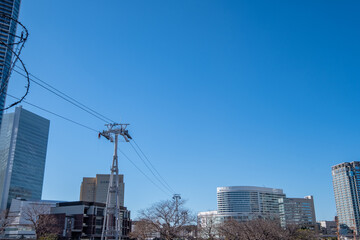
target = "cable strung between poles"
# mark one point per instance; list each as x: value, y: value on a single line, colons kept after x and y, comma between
x: 148, y: 178
x: 153, y: 166
x: 103, y: 118
x: 57, y: 94
x: 93, y: 130
x: 106, y: 119
x: 152, y: 172
x: 55, y: 114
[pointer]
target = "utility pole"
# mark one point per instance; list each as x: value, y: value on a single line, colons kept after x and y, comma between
x: 112, y: 219
x: 176, y: 197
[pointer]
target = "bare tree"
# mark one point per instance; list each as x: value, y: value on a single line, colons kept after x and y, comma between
x: 142, y: 230
x: 168, y: 218
x: 259, y: 229
x: 208, y: 228
x: 294, y: 232
x: 230, y: 230
x: 44, y: 224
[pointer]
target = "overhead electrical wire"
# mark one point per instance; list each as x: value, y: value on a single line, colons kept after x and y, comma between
x: 93, y: 130
x: 56, y: 92
x: 66, y: 95
x: 99, y: 116
x: 143, y: 172
x: 55, y: 114
x: 152, y: 172
x: 153, y: 167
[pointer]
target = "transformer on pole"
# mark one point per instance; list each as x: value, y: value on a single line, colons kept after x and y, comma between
x: 112, y: 219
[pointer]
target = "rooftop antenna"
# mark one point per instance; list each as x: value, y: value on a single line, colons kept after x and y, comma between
x: 112, y: 219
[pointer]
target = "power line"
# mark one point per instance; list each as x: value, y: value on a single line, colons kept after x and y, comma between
x: 94, y: 130
x: 142, y: 172
x: 152, y: 172
x: 97, y: 115
x: 101, y: 117
x: 58, y: 115
x: 153, y: 166
x: 66, y: 95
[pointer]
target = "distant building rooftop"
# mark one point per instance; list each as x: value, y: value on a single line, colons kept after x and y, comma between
x: 249, y: 188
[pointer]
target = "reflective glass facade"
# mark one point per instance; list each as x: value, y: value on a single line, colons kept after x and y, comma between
x: 346, y: 181
x: 245, y: 203
x: 7, y: 32
x: 250, y: 202
x: 294, y: 211
x: 23, y: 145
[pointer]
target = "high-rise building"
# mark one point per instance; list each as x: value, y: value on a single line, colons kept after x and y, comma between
x: 95, y: 189
x: 23, y: 145
x: 297, y: 211
x: 346, y: 182
x: 7, y: 33
x: 244, y: 202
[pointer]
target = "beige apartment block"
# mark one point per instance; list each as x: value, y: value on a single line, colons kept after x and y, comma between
x: 95, y: 189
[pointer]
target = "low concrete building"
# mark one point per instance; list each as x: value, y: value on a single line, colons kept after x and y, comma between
x: 20, y: 213
x: 84, y: 220
x: 328, y: 228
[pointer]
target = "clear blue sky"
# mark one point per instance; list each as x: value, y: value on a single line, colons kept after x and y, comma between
x: 218, y: 93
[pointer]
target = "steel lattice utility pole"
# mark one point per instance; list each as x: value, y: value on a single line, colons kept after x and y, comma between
x: 176, y: 197
x: 112, y: 219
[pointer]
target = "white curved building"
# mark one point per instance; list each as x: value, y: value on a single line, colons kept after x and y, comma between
x: 244, y: 203
x: 248, y: 202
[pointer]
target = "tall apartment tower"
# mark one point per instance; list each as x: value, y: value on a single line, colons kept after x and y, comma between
x: 23, y: 145
x: 96, y: 189
x: 7, y: 33
x: 346, y: 181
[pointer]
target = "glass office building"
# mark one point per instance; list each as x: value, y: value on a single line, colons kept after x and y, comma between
x: 7, y: 32
x: 297, y: 211
x: 247, y: 202
x: 23, y: 145
x: 346, y: 181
